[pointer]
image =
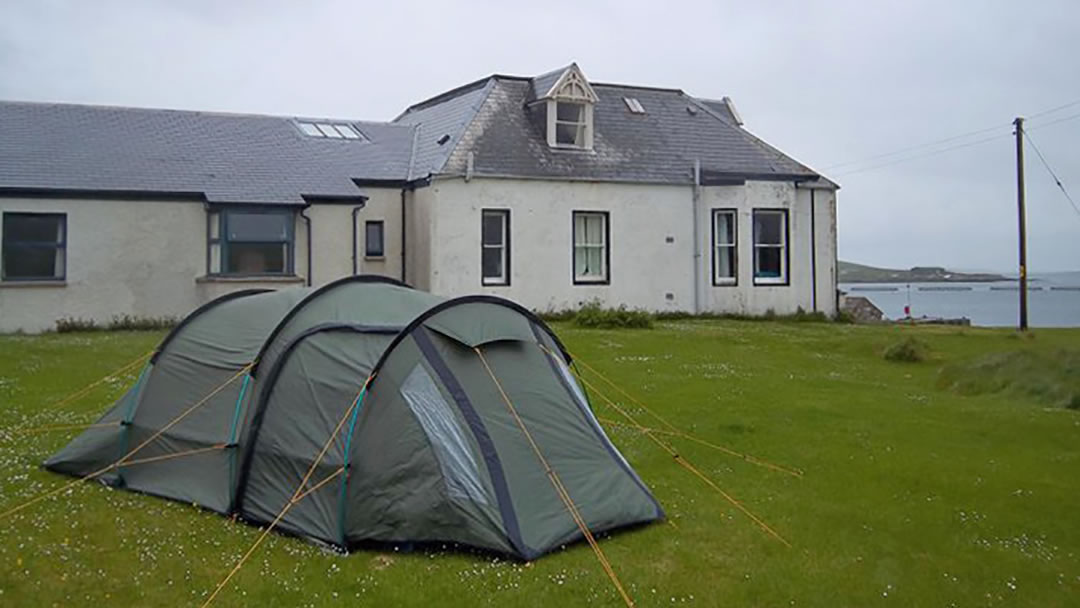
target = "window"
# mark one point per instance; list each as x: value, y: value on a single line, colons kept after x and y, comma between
x: 329, y: 130
x: 634, y: 105
x: 495, y: 246
x: 34, y: 247
x: 591, y: 252
x: 251, y: 242
x: 374, y: 246
x: 725, y: 269
x: 570, y: 124
x: 770, y: 246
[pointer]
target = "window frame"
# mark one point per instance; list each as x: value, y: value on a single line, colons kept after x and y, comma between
x: 581, y: 126
x: 381, y: 255
x: 503, y: 281
x: 717, y: 280
x: 60, y: 247
x: 785, y: 255
x: 219, y: 216
x: 606, y: 279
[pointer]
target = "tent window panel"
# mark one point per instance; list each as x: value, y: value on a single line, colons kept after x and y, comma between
x: 770, y: 246
x: 495, y: 246
x: 34, y: 247
x: 447, y: 440
x: 590, y: 247
x: 245, y: 242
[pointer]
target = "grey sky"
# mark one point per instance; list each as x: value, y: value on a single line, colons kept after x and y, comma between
x: 829, y: 83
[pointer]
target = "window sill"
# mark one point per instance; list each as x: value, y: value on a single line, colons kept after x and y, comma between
x: 251, y: 278
x: 591, y: 282
x: 45, y: 283
x: 725, y: 283
x: 771, y: 282
x: 374, y: 258
x: 495, y: 284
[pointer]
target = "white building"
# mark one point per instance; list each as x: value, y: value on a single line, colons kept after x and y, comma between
x: 551, y: 191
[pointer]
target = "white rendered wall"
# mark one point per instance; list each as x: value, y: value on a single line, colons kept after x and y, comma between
x: 128, y: 257
x: 650, y: 237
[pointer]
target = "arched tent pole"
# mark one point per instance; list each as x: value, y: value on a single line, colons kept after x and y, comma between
x: 268, y: 383
x: 359, y: 278
x: 486, y: 299
x: 243, y: 293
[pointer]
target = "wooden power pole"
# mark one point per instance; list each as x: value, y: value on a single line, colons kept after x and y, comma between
x: 1019, y: 122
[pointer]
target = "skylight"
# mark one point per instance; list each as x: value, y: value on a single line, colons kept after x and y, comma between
x: 329, y: 130
x: 634, y: 105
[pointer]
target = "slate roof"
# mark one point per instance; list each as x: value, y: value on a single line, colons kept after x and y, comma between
x: 244, y: 158
x: 228, y: 158
x: 507, y: 139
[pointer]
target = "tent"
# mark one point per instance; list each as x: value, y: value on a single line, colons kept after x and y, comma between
x: 429, y: 451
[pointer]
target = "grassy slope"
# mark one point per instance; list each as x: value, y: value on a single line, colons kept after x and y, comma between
x: 911, y: 496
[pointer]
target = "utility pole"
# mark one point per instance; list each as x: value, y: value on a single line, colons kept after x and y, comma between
x: 1019, y: 122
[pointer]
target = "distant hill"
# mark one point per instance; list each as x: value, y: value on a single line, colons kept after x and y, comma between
x: 851, y: 272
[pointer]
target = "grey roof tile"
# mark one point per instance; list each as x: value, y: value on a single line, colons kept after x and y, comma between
x: 228, y: 158
x: 662, y: 145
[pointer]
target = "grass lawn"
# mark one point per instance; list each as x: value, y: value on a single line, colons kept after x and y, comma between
x: 912, y: 495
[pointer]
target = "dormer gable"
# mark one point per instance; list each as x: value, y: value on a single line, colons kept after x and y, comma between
x: 569, y: 101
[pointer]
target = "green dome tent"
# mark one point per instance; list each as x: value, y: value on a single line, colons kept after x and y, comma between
x: 428, y: 451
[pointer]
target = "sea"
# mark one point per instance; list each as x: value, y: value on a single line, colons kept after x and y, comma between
x: 1053, y: 300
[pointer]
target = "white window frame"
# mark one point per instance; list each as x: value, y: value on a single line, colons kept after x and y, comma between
x: 718, y: 243
x: 503, y: 246
x: 783, y: 279
x: 582, y: 242
x: 580, y: 126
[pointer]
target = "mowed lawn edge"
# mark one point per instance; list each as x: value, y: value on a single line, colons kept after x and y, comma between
x: 910, y: 494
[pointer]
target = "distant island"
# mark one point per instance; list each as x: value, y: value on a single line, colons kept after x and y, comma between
x: 851, y: 272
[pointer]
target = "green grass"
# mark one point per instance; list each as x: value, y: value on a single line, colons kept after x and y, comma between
x: 913, y: 495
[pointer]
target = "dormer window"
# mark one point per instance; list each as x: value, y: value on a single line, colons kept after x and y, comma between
x: 570, y: 125
x: 569, y: 107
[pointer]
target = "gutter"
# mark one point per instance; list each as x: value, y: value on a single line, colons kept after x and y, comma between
x: 813, y: 251
x: 307, y: 222
x: 355, y: 234
x: 696, y: 198
x: 403, y: 231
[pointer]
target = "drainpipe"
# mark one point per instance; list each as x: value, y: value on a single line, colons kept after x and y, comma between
x: 307, y: 222
x: 355, y: 262
x: 813, y: 250
x: 403, y: 189
x: 697, y: 236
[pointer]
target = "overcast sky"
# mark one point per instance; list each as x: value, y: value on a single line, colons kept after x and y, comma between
x: 828, y: 83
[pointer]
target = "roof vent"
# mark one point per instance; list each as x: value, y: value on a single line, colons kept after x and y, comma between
x: 442, y: 140
x: 691, y: 110
x: 634, y: 105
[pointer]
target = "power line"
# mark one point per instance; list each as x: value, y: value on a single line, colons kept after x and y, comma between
x: 1052, y: 110
x: 931, y: 153
x: 1051, y: 172
x: 1054, y: 122
x: 917, y: 147
x: 953, y: 138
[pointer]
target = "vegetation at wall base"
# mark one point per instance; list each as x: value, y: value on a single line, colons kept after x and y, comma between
x: 116, y: 323
x: 595, y: 316
x: 912, y: 494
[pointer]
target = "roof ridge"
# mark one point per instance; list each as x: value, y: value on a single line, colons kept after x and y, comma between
x: 445, y: 95
x: 96, y: 106
x: 636, y: 86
